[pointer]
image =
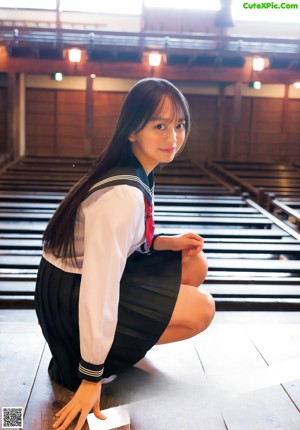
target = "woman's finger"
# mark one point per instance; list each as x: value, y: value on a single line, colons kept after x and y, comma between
x: 194, y: 236
x: 66, y: 417
x: 98, y: 413
x: 82, y: 419
x: 62, y: 410
x: 60, y: 419
x: 194, y: 251
x: 195, y: 242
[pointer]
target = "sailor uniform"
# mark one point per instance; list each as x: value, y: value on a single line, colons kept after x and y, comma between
x: 103, y: 314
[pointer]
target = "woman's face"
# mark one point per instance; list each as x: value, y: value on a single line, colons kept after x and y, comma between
x: 161, y: 138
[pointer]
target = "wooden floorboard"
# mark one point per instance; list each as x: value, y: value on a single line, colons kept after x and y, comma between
x: 21, y: 346
x: 248, y: 388
x: 243, y: 373
x: 46, y: 399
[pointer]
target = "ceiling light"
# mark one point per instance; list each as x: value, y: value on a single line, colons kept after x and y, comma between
x: 258, y: 64
x: 74, y: 55
x: 155, y: 59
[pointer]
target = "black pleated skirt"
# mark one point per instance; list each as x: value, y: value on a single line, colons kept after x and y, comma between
x: 148, y: 291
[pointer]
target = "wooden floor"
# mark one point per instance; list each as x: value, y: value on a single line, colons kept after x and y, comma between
x: 243, y: 373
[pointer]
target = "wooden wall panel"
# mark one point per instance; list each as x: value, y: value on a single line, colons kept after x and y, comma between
x: 227, y: 128
x: 202, y: 139
x: 266, y: 129
x: 292, y: 150
x: 3, y: 120
x: 107, y: 107
x: 70, y: 120
x: 244, y: 130
x: 40, y: 122
x: 55, y: 125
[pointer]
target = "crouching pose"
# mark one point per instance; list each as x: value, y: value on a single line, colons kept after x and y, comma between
x: 108, y: 289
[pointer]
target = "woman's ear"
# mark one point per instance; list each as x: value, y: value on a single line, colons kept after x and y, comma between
x: 132, y: 137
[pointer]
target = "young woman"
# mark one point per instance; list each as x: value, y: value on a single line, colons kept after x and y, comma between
x: 108, y: 290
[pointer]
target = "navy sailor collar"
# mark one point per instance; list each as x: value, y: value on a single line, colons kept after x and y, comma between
x: 132, y: 174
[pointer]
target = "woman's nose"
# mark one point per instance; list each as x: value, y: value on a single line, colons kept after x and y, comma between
x: 172, y: 135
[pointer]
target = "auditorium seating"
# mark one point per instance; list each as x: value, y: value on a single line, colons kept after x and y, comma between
x: 43, y: 173
x: 184, y: 177
x: 261, y: 179
x: 288, y: 209
x: 253, y: 257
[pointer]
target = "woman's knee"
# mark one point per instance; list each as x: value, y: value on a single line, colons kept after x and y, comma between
x: 203, y: 312
x: 195, y: 309
x: 194, y: 269
x: 207, y: 310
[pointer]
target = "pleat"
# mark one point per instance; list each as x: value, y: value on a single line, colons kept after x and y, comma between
x: 148, y: 292
x: 55, y: 291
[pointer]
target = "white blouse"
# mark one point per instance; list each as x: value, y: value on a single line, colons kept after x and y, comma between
x: 110, y: 226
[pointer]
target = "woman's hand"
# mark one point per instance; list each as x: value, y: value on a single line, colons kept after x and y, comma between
x: 86, y: 398
x: 190, y: 242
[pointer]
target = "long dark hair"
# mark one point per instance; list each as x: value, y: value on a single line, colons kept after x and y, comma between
x: 139, y: 106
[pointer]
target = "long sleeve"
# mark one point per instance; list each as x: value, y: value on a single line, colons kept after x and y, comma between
x: 114, y: 224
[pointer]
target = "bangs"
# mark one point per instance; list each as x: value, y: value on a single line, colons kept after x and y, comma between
x: 156, y: 98
x: 171, y: 103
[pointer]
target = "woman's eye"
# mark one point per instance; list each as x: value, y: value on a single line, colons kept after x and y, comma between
x: 180, y: 126
x: 160, y: 126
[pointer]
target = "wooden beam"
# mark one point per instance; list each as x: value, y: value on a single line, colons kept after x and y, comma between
x: 55, y: 125
x: 250, y: 129
x: 235, y: 121
x: 220, y: 122
x: 13, y: 114
x: 89, y: 104
x: 284, y: 124
x: 141, y: 70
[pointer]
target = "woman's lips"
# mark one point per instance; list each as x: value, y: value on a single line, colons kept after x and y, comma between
x: 168, y: 149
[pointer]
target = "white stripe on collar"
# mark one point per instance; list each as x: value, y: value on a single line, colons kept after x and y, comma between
x: 122, y: 177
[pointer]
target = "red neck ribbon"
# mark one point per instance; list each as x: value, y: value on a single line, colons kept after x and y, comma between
x: 149, y: 222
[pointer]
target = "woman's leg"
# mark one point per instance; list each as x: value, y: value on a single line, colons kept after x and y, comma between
x: 195, y: 308
x: 193, y: 313
x: 194, y: 269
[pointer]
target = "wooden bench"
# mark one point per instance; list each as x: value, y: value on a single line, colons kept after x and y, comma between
x: 195, y: 208
x: 259, y: 179
x: 287, y: 208
x: 38, y: 187
x: 198, y: 200
x: 46, y: 173
x: 192, y: 190
x: 194, y: 175
x: 32, y: 195
x: 240, y: 237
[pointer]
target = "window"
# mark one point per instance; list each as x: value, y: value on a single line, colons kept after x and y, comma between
x: 25, y: 4
x: 132, y: 7
x: 185, y: 4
